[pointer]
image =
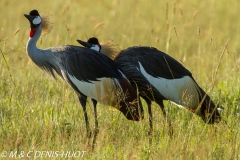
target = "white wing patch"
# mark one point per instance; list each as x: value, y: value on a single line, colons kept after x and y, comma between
x: 37, y: 20
x: 104, y: 91
x: 123, y: 75
x: 182, y: 91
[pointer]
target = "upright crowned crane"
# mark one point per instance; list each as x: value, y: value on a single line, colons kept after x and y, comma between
x: 90, y: 74
x: 160, y: 77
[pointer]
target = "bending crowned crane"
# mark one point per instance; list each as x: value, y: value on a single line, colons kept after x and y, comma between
x: 89, y: 73
x: 160, y: 77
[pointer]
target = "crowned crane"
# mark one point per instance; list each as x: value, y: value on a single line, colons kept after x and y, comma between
x: 89, y: 73
x: 160, y: 77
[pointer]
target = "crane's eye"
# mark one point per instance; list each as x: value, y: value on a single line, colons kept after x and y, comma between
x: 37, y: 20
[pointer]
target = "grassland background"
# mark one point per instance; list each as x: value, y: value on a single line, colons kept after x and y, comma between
x: 38, y: 113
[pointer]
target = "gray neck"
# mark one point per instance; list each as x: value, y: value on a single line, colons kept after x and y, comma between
x: 31, y: 45
x: 45, y: 59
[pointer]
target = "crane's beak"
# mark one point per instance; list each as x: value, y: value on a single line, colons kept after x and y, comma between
x: 29, y: 17
x: 85, y: 44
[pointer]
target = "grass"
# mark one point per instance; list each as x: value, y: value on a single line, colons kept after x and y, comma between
x: 41, y: 114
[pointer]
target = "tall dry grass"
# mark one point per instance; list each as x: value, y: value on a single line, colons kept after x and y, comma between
x: 40, y: 114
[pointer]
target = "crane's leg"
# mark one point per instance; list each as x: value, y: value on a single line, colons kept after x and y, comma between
x: 150, y: 120
x: 149, y: 116
x: 83, y: 101
x: 170, y: 129
x: 96, y: 130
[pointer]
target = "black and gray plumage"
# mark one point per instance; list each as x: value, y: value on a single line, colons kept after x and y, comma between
x: 87, y: 72
x: 160, y: 77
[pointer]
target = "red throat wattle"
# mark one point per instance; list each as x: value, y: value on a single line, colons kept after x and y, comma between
x: 32, y: 32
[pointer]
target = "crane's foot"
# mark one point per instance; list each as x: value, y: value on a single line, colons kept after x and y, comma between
x: 170, y: 129
x: 150, y: 137
x: 89, y: 134
x: 96, y: 131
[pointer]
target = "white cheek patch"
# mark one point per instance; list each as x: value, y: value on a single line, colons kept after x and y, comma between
x: 96, y: 48
x: 37, y: 20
